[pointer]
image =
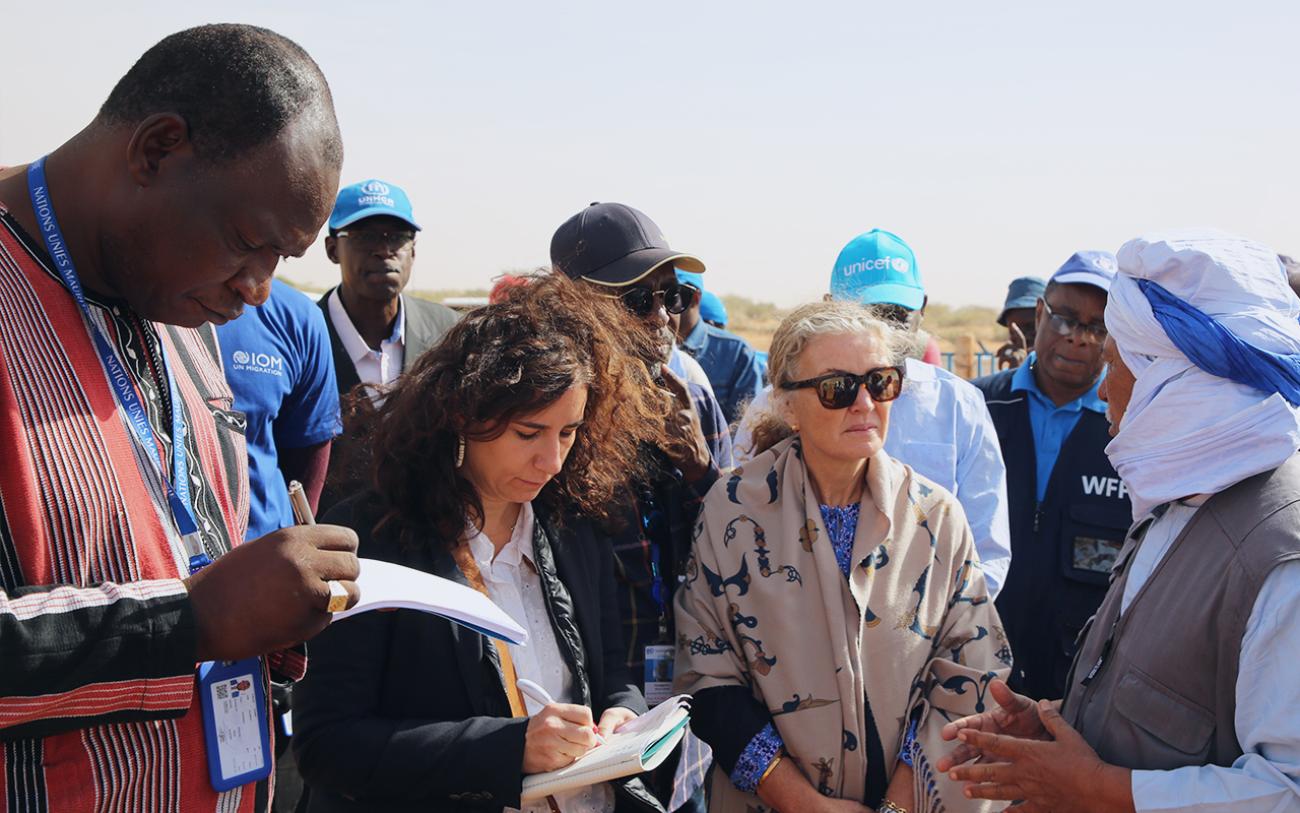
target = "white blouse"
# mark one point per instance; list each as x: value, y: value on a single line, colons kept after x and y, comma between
x: 515, y: 586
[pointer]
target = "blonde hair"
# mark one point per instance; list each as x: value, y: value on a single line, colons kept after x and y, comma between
x: 805, y: 323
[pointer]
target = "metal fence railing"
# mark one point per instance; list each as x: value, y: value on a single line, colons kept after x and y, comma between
x: 982, y: 363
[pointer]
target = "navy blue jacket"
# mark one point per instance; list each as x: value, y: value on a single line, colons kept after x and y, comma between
x: 1061, y: 549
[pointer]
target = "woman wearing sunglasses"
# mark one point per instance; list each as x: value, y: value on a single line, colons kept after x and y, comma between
x: 833, y: 615
x: 492, y: 457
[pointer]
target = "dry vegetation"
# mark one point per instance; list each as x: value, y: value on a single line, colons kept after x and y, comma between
x: 757, y: 321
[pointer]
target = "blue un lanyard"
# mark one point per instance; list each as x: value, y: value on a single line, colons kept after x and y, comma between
x: 651, y: 523
x: 178, y: 489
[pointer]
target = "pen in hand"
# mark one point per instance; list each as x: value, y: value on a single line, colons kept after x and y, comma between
x: 542, y: 697
x: 302, y: 513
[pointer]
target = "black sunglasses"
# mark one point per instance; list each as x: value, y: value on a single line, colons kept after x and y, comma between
x: 840, y: 390
x: 641, y: 301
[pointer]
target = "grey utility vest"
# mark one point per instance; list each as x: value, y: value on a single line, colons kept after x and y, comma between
x: 1155, y: 689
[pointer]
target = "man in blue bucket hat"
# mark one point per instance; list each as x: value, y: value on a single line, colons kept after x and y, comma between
x: 1019, y: 315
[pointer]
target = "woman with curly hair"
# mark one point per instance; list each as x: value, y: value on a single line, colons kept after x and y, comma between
x: 493, y: 457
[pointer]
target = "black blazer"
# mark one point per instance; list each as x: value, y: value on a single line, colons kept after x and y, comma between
x: 426, y: 322
x: 405, y: 711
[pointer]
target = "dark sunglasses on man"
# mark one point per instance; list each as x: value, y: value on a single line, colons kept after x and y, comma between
x: 640, y: 300
x: 840, y: 390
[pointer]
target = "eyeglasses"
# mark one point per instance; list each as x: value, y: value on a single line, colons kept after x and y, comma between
x: 371, y: 240
x: 840, y: 390
x: 641, y: 301
x: 1067, y: 325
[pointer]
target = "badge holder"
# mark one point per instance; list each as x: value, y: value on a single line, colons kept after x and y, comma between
x: 236, y: 729
x: 236, y: 725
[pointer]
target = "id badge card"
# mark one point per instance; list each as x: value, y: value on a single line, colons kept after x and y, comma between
x: 236, y: 725
x: 659, y: 673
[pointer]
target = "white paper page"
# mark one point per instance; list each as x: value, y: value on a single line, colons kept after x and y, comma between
x: 656, y: 716
x: 385, y: 585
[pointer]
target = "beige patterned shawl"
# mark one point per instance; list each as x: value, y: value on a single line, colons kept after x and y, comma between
x: 764, y: 605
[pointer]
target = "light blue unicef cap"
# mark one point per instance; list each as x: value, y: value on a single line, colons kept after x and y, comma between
x: 370, y: 199
x: 878, y: 268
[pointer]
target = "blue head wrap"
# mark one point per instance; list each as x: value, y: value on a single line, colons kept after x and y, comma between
x: 1216, y: 350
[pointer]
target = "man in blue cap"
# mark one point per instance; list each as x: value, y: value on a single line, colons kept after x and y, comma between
x: 939, y: 425
x: 1019, y: 317
x: 728, y: 360
x: 376, y: 332
x: 1069, y: 509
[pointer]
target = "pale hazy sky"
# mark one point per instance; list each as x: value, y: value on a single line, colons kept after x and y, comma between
x: 996, y: 138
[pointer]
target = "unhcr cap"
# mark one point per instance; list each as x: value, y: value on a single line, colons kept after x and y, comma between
x: 371, y: 198
x: 878, y: 268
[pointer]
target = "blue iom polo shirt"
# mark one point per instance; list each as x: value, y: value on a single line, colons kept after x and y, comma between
x: 278, y: 362
x: 1051, y: 424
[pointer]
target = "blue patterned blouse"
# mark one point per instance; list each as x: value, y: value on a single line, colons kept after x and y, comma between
x: 841, y: 523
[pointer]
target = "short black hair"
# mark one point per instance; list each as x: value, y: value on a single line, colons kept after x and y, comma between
x: 236, y: 86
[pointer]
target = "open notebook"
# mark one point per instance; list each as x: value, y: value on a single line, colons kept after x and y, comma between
x: 385, y: 585
x: 640, y: 745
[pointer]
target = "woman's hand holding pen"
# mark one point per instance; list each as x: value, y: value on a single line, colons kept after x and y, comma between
x: 556, y: 736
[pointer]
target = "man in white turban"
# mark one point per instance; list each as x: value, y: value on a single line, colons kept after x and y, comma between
x: 1184, y: 695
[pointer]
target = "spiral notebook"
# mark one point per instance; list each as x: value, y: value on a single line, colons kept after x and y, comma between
x: 640, y: 745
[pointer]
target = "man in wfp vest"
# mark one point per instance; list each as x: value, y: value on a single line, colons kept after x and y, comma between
x: 1183, y: 695
x: 137, y: 633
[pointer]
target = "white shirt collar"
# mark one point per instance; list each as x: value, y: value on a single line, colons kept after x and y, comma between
x: 519, y: 548
x: 351, y: 337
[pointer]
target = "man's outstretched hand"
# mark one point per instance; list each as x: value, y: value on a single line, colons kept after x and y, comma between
x: 1026, y: 752
x: 1015, y: 716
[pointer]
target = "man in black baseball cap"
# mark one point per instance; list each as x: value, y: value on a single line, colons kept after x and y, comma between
x: 622, y: 252
x: 612, y: 244
x: 618, y: 251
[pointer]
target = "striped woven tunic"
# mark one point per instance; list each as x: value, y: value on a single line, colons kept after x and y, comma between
x: 97, y: 640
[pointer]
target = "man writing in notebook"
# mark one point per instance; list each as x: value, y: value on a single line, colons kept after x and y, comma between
x: 123, y: 485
